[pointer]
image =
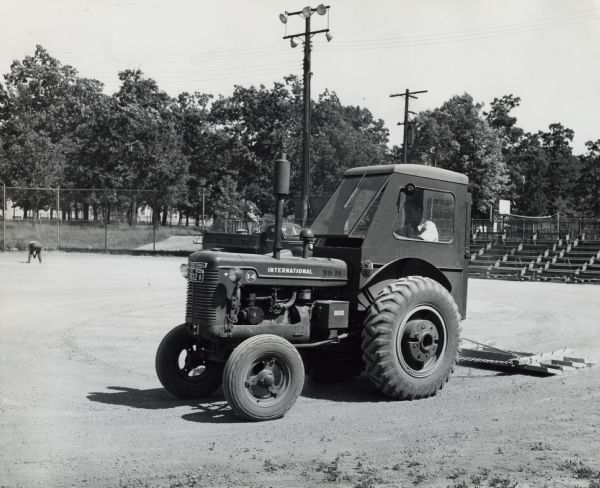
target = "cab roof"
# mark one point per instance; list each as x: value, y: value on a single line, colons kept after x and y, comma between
x: 411, y: 169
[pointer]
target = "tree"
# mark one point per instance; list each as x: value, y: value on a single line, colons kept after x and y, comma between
x: 42, y: 109
x: 344, y: 137
x: 529, y: 168
x: 135, y: 144
x: 563, y: 168
x: 262, y: 123
x: 265, y: 123
x: 588, y: 188
x: 457, y: 137
x: 501, y: 120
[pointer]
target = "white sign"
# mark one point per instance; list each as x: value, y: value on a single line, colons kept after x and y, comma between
x: 504, y: 207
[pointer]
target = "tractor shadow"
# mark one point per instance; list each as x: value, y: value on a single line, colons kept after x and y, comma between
x: 358, y: 390
x: 211, y: 410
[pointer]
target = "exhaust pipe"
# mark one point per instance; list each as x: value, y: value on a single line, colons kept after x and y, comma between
x: 281, y: 190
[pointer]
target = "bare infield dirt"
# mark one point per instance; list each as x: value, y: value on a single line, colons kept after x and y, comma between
x: 80, y: 404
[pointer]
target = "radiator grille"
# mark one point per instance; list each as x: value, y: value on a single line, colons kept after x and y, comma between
x: 201, y: 306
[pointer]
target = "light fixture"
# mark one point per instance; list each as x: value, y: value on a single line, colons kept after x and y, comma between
x: 321, y: 9
x: 306, y: 11
x: 329, y: 36
x: 293, y: 42
x: 283, y: 18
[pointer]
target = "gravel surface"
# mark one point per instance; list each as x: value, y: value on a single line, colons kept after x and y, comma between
x: 80, y: 404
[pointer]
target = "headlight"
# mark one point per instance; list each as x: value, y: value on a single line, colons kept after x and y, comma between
x: 250, y: 276
x: 183, y: 270
x: 235, y: 274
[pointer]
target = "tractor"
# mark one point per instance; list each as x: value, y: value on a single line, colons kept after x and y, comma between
x: 380, y: 289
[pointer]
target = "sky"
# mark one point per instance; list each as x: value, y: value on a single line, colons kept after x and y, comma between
x: 545, y: 51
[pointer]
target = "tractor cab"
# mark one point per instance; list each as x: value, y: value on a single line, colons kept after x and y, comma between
x: 397, y: 219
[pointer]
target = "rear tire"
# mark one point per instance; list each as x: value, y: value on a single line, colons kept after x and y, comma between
x: 181, y: 370
x: 411, y: 338
x: 263, y: 377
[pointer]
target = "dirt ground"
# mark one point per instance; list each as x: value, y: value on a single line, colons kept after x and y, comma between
x: 80, y: 404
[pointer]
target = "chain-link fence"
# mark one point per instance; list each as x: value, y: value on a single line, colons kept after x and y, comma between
x: 93, y: 219
x: 127, y: 220
x: 551, y: 226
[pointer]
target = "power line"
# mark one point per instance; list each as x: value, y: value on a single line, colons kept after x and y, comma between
x: 359, y: 44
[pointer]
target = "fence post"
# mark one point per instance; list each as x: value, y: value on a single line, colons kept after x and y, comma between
x: 105, y: 220
x: 3, y: 217
x: 154, y: 223
x: 58, y: 219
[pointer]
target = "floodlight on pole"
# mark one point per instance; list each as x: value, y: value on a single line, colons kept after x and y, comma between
x: 306, y: 13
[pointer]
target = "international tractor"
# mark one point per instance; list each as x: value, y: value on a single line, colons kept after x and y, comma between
x: 380, y: 288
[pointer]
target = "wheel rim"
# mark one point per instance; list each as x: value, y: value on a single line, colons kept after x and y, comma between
x: 267, y: 380
x: 421, y: 341
x: 190, y: 365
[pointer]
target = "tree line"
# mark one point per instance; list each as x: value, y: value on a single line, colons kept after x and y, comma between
x: 58, y: 129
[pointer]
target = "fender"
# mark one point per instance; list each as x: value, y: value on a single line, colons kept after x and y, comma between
x: 394, y: 271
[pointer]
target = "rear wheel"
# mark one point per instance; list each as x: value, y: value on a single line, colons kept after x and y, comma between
x: 182, y: 370
x: 411, y: 338
x: 263, y: 377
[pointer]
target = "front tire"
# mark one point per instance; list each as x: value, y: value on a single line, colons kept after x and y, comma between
x: 411, y: 338
x: 181, y: 369
x: 263, y: 377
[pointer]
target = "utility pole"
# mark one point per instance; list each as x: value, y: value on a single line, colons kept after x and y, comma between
x: 203, y: 186
x: 3, y: 217
x: 306, y: 12
x: 407, y: 94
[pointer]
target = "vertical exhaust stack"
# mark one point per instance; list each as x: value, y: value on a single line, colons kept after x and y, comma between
x: 281, y: 189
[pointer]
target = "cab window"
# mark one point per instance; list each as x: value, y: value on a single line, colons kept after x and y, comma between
x: 425, y: 214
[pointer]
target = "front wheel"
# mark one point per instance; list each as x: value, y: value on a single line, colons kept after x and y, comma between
x: 182, y: 370
x: 263, y: 377
x: 411, y: 338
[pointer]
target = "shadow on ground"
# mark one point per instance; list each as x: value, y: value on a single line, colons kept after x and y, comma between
x: 213, y: 409
x: 358, y: 390
x: 153, y: 398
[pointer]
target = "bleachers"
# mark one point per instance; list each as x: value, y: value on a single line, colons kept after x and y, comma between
x: 548, y: 257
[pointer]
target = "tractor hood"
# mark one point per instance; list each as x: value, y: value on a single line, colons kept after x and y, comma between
x: 287, y: 271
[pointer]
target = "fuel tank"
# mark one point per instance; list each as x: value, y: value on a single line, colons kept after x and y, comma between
x: 261, y: 269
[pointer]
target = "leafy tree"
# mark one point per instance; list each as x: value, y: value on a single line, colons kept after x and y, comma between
x: 344, y: 137
x: 504, y: 123
x: 135, y: 144
x: 529, y: 167
x: 261, y: 123
x: 588, y: 188
x: 457, y: 137
x: 563, y: 168
x: 264, y: 123
x: 42, y: 109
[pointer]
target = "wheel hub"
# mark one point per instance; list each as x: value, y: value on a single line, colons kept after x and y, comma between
x: 265, y: 378
x: 262, y: 384
x: 423, y: 338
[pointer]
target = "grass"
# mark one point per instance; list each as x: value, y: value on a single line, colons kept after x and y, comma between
x: 582, y: 472
x: 87, y: 235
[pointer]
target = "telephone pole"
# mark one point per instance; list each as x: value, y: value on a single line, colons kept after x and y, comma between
x: 407, y: 94
x: 305, y: 37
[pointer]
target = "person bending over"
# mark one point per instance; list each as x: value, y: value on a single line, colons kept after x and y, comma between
x: 35, y: 250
